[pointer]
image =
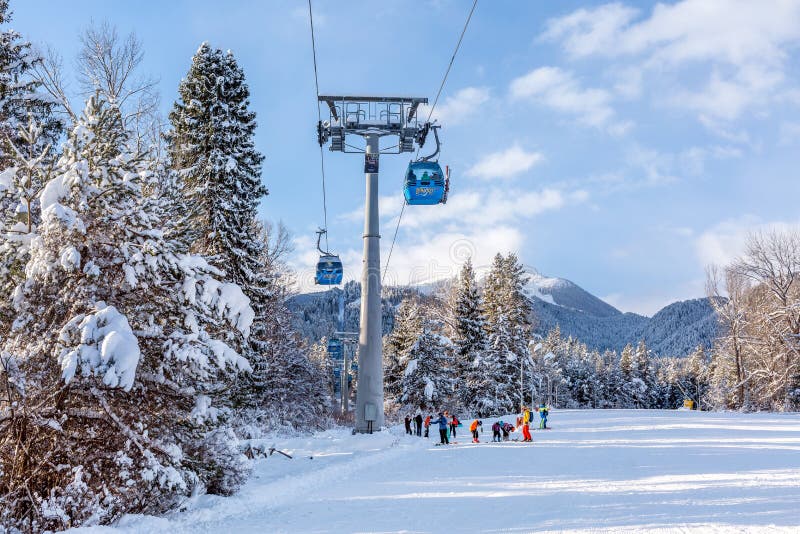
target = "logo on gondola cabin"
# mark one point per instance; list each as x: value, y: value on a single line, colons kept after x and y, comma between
x: 424, y: 191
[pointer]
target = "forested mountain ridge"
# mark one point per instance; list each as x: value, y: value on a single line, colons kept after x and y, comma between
x: 674, y: 331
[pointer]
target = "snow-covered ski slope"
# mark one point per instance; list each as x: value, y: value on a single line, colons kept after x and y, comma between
x: 596, y: 470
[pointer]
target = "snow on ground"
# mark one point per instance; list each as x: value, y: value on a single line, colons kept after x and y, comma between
x: 620, y: 470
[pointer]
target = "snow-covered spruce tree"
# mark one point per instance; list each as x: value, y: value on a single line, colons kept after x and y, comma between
x: 469, y: 329
x: 643, y: 379
x: 428, y: 378
x: 212, y: 149
x: 507, y: 325
x: 20, y: 99
x: 494, y: 388
x: 117, y: 370
x: 628, y: 389
x: 397, y: 347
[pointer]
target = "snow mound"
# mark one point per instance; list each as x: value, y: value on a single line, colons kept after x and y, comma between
x: 101, y: 343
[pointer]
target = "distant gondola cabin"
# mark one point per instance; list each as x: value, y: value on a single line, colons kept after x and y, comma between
x: 329, y: 270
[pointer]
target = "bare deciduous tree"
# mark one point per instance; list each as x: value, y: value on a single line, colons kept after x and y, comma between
x: 761, y: 320
x: 50, y: 73
x: 108, y: 64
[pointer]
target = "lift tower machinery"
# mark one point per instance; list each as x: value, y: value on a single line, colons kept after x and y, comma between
x: 371, y: 117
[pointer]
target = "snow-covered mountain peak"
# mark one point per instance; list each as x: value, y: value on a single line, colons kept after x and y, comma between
x: 562, y: 292
x: 542, y: 282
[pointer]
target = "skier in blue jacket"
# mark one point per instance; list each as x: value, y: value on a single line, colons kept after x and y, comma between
x: 442, y: 428
x: 543, y: 411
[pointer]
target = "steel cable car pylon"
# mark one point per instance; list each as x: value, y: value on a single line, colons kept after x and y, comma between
x: 371, y: 117
x: 425, y: 183
x: 329, y: 266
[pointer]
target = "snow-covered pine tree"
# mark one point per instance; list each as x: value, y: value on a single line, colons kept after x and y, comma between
x: 643, y: 379
x: 20, y: 99
x: 494, y: 291
x: 121, y: 356
x: 212, y: 149
x: 469, y: 329
x: 626, y: 362
x: 397, y: 347
x: 428, y: 376
x: 496, y: 387
x: 507, y: 325
x: 628, y: 389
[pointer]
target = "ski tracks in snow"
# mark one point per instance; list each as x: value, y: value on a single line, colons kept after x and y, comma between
x: 312, y: 470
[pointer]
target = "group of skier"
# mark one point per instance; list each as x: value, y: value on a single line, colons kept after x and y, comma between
x: 448, y: 425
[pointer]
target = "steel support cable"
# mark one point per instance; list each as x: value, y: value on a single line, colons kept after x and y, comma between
x: 319, y: 119
x: 430, y: 114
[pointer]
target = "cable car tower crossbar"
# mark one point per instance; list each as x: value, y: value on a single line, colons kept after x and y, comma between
x: 371, y: 117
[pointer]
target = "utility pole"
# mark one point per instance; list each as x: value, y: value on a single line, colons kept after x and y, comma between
x: 371, y: 117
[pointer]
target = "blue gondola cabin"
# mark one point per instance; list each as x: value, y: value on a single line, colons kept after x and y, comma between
x: 425, y: 184
x: 329, y: 271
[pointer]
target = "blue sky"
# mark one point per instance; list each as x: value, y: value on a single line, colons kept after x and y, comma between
x: 624, y: 146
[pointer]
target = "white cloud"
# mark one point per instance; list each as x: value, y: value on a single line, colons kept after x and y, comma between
x: 428, y: 257
x: 725, y: 241
x: 727, y: 97
x: 651, y: 168
x: 486, y: 209
x: 505, y: 164
x: 432, y: 256
x: 733, y: 31
x: 628, y: 82
x: 587, y: 31
x: 715, y: 126
x: 434, y: 241
x: 745, y: 43
x: 458, y: 108
x: 558, y: 89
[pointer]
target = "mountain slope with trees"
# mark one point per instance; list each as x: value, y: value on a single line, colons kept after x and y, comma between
x: 676, y: 330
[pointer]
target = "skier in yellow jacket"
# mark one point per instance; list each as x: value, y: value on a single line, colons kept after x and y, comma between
x: 526, y: 424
